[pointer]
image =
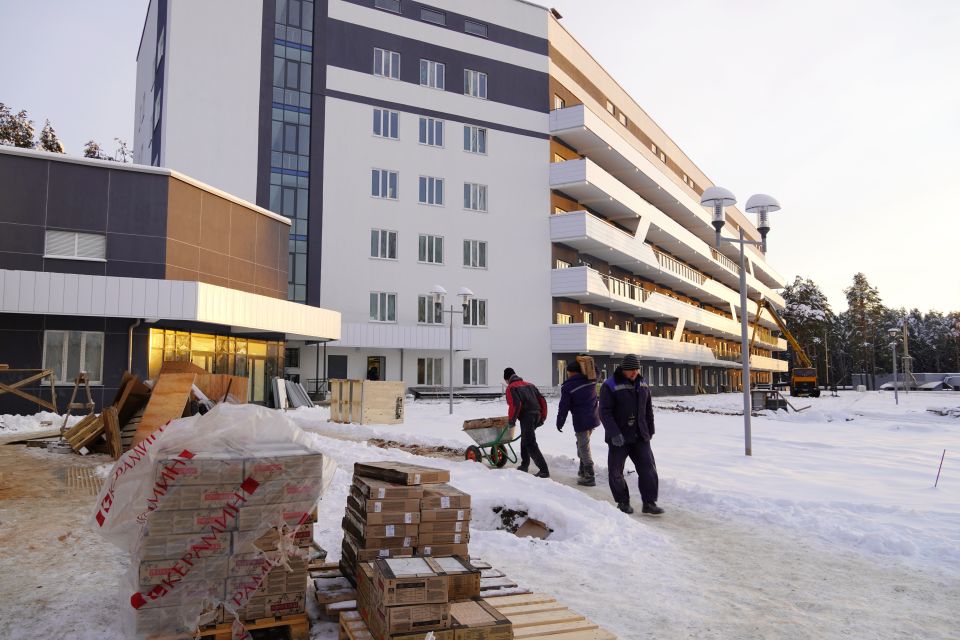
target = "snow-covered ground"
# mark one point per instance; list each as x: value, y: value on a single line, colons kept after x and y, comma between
x: 832, y: 529
x: 11, y: 424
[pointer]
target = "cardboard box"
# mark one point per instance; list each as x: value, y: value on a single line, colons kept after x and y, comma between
x: 463, y: 579
x: 444, y: 526
x: 400, y: 473
x: 384, y: 517
x: 444, y: 496
x: 166, y: 523
x: 151, y: 572
x: 368, y: 542
x: 202, y: 468
x: 379, y: 506
x: 383, y: 621
x: 285, y: 491
x: 276, y: 582
x: 159, y: 547
x: 199, y: 496
x: 374, y: 489
x: 243, y: 564
x: 431, y: 539
x: 359, y: 554
x: 284, y: 462
x: 443, y: 550
x: 380, y: 530
x: 252, y: 541
x: 477, y: 620
x: 149, y: 621
x: 292, y: 514
x: 286, y: 604
x: 407, y: 581
x: 444, y: 515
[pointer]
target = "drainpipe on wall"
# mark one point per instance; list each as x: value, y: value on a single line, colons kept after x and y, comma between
x: 130, y: 344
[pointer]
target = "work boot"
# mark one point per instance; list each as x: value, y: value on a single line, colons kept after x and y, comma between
x: 543, y: 473
x: 625, y: 507
x: 581, y: 473
x: 651, y: 509
x: 587, y: 481
x: 523, y: 467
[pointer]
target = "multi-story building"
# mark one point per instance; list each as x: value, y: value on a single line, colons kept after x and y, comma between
x: 458, y: 144
x: 108, y: 267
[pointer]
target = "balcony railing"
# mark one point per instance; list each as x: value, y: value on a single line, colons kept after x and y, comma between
x: 725, y: 261
x: 625, y: 289
x: 675, y: 266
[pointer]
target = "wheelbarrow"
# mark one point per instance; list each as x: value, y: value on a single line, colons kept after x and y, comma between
x: 494, y: 438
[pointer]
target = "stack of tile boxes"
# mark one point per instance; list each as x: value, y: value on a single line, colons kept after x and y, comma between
x: 192, y: 516
x: 396, y: 511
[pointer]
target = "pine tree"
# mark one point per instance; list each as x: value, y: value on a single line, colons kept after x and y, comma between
x: 49, y: 140
x: 16, y: 129
x: 93, y: 150
x: 866, y: 314
x: 811, y: 321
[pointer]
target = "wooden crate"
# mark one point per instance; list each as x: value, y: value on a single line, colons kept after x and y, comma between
x: 366, y: 401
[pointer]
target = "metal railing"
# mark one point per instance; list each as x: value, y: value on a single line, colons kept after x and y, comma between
x: 725, y: 261
x: 672, y: 264
x: 624, y: 289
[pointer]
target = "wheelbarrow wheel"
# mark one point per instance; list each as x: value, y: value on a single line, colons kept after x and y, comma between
x: 498, y: 456
x: 473, y: 453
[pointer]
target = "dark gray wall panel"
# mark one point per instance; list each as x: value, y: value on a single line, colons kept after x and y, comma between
x: 77, y: 197
x: 22, y: 189
x: 21, y: 238
x: 138, y: 203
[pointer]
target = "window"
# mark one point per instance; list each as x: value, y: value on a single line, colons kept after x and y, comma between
x: 386, y: 63
x: 436, y: 17
x: 475, y: 313
x: 383, y: 306
x: 383, y: 244
x: 622, y: 117
x: 653, y: 147
x: 475, y: 371
x: 561, y: 264
x: 388, y: 5
x: 564, y: 318
x: 431, y: 190
x: 558, y: 102
x: 650, y: 374
x: 386, y: 123
x: 474, y: 196
x: 429, y: 310
x: 431, y: 74
x: 612, y: 109
x: 475, y: 83
x: 475, y: 254
x: 669, y: 377
x: 660, y: 376
x: 70, y: 352
x: 476, y: 28
x: 430, y: 371
x: 474, y: 139
x: 430, y: 249
x: 627, y: 326
x: 662, y: 156
x: 587, y: 317
x: 291, y: 358
x: 383, y: 184
x: 76, y: 246
x: 431, y: 132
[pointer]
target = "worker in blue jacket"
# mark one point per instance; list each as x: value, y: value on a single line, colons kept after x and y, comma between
x: 578, y: 397
x: 626, y: 411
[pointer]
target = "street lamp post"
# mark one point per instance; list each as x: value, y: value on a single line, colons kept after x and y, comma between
x: 438, y: 294
x: 717, y: 198
x: 892, y: 332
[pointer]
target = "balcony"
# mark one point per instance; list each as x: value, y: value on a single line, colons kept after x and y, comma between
x: 763, y: 363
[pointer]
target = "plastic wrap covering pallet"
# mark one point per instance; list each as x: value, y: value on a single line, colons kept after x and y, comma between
x: 297, y: 627
x: 366, y: 401
x: 536, y: 616
x: 216, y: 512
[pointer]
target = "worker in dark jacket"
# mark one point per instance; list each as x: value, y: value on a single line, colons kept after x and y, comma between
x: 526, y: 403
x: 578, y: 397
x: 626, y: 412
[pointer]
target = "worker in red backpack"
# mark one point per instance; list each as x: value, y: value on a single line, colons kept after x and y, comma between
x: 527, y: 404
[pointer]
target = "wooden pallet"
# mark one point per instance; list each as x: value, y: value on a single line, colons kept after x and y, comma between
x: 537, y: 616
x: 84, y: 433
x: 297, y: 626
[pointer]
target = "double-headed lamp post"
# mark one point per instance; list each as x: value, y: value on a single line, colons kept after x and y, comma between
x: 717, y: 198
x: 892, y: 332
x: 465, y: 294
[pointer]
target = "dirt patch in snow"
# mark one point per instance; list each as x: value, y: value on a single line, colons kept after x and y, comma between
x: 449, y: 453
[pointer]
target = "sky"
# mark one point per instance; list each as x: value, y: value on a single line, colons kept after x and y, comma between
x: 847, y: 112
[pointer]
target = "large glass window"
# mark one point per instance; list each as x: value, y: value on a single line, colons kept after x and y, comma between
x: 432, y: 74
x: 431, y: 132
x: 476, y: 28
x: 383, y: 244
x: 431, y: 15
x: 383, y: 184
x: 386, y: 63
x: 383, y: 306
x: 430, y: 371
x: 388, y: 5
x: 431, y: 190
x: 474, y: 139
x: 70, y: 352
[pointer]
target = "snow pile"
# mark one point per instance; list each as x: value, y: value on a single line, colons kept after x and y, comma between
x: 43, y: 421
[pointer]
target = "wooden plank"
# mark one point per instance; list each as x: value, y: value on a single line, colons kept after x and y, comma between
x: 382, y: 402
x: 25, y: 437
x: 501, y: 603
x: 167, y: 402
x: 496, y: 583
x: 172, y: 366
x: 565, y: 632
x: 88, y: 435
x: 134, y: 398
x: 521, y: 620
x: 112, y: 430
x: 531, y: 608
x: 549, y: 630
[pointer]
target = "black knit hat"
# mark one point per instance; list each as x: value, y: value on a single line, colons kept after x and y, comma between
x: 630, y: 361
x: 574, y: 367
x: 508, y: 373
